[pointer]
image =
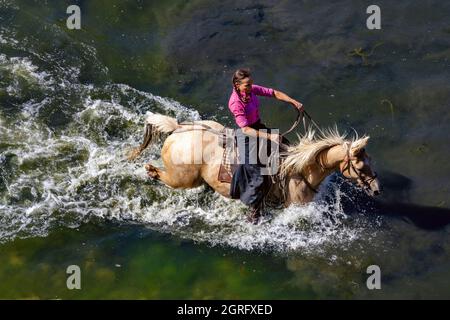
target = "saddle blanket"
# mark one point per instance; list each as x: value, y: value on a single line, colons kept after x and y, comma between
x: 230, y: 155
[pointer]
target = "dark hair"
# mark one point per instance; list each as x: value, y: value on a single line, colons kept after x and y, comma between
x: 240, y: 74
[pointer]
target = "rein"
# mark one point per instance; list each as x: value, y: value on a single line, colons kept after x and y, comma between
x: 281, y: 182
x: 301, y: 117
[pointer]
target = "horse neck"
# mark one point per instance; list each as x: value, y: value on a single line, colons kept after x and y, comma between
x: 327, y: 162
x: 333, y: 157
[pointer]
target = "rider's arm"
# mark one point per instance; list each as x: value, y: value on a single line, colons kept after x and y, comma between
x: 284, y: 97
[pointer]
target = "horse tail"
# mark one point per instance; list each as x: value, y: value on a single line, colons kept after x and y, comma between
x: 162, y: 123
x: 155, y: 124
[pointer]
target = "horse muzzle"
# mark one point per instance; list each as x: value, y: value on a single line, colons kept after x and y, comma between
x: 373, y: 188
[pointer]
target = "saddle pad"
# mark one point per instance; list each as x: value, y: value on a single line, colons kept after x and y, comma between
x: 229, y: 159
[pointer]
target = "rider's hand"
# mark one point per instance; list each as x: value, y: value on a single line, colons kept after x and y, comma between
x: 297, y: 104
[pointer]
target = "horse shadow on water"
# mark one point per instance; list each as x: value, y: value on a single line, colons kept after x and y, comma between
x: 394, y: 202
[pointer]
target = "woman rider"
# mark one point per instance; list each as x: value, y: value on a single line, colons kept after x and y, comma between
x: 248, y: 184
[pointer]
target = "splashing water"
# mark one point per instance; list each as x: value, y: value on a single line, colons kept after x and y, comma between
x: 77, y: 172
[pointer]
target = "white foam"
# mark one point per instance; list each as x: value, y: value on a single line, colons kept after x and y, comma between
x: 23, y: 67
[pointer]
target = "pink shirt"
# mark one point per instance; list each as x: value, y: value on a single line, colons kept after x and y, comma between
x: 248, y: 113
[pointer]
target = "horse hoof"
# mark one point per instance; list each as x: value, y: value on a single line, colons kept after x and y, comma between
x: 152, y: 172
x: 253, y: 220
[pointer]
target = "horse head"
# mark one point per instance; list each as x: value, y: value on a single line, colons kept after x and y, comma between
x: 356, y: 166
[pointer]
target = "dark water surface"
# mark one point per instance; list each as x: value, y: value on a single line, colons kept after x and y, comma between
x: 72, y: 103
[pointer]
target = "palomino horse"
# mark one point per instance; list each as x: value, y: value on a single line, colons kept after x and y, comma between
x: 305, y: 165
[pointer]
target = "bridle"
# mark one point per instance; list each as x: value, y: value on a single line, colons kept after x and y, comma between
x: 349, y: 165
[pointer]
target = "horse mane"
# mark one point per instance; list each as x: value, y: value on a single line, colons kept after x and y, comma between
x: 300, y: 155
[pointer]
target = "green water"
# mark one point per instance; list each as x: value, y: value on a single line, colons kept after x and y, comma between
x: 72, y: 102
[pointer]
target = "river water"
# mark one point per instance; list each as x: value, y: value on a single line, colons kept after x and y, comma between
x: 72, y: 104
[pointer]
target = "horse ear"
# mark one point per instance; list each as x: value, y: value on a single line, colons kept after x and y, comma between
x: 358, y: 145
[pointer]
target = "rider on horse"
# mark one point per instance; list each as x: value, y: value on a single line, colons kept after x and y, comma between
x: 248, y: 184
